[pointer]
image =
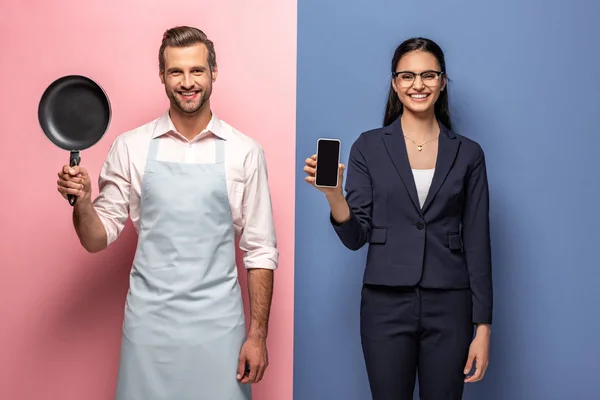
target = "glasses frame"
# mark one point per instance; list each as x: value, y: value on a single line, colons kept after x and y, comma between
x: 438, y: 73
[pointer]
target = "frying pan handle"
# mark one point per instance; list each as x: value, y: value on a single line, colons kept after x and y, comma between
x: 74, y: 160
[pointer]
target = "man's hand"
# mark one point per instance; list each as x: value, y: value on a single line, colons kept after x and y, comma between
x: 478, y: 352
x: 75, y: 181
x: 253, y: 354
x: 90, y: 230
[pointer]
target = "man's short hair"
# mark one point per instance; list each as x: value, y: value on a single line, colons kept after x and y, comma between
x: 184, y: 36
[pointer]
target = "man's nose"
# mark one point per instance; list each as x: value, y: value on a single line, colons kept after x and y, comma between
x: 187, y: 81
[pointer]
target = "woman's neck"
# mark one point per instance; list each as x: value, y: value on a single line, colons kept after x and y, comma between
x: 419, y: 127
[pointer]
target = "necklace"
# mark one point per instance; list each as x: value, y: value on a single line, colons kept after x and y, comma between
x: 420, y: 146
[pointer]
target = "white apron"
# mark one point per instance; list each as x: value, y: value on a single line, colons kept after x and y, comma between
x: 184, y: 320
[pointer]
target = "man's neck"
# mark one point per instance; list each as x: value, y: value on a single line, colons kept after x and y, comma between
x: 419, y: 127
x: 190, y: 125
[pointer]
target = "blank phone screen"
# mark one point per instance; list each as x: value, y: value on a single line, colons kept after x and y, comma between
x: 328, y: 156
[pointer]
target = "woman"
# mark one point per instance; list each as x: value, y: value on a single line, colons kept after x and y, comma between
x: 417, y: 192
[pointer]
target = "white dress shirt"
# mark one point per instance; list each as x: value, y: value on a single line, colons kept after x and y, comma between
x: 121, y: 177
x: 423, y: 178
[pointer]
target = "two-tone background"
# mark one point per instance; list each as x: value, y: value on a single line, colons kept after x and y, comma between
x: 524, y: 83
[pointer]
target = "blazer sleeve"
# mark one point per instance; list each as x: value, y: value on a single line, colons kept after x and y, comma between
x: 476, y: 240
x: 354, y: 233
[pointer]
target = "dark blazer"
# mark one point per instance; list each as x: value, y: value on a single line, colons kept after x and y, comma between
x: 444, y: 245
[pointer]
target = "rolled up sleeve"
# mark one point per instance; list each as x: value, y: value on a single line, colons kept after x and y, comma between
x: 258, y: 239
x: 114, y: 182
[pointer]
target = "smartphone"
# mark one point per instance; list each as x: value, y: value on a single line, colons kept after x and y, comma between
x: 328, y: 160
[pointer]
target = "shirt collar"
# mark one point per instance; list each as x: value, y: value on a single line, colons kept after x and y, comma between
x: 165, y: 125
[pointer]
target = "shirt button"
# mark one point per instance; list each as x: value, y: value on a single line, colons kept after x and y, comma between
x: 420, y: 225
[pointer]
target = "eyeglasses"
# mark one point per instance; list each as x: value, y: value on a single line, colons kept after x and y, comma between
x: 407, y: 78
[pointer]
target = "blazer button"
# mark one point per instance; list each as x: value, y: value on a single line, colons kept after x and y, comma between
x: 420, y: 225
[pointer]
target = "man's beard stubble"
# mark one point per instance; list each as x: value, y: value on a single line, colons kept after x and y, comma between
x: 172, y: 95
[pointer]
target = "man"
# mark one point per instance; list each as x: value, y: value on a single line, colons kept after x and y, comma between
x: 191, y: 183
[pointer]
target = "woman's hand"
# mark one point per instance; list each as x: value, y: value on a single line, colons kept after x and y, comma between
x: 310, y: 168
x: 480, y: 353
x: 340, y: 211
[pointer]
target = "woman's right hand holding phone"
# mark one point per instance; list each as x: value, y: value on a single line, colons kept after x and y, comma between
x: 335, y: 195
x: 310, y: 169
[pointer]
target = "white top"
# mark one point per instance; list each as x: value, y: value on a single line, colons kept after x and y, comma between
x: 121, y: 176
x: 423, y: 179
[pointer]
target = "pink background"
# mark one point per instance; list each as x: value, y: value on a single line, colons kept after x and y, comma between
x: 60, y: 308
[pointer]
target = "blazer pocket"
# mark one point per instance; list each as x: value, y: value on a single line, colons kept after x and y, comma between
x: 455, y: 241
x: 378, y: 236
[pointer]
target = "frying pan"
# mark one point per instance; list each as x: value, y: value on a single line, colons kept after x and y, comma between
x: 74, y: 112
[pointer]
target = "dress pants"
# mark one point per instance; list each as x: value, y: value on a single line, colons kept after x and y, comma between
x: 409, y: 330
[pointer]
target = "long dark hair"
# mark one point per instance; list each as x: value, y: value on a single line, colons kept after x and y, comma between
x: 394, y: 107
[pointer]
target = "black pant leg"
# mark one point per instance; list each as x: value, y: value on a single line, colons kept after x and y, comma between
x: 389, y: 325
x: 446, y: 334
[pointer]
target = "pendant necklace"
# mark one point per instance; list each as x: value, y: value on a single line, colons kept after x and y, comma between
x: 420, y: 146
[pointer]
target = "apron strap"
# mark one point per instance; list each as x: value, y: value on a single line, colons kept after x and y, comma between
x: 219, y: 150
x: 153, y: 150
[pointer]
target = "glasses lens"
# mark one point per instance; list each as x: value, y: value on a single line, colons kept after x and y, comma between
x: 430, y: 78
x: 406, y: 79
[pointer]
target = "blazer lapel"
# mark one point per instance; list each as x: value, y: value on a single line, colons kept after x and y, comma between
x: 396, y: 148
x: 447, y: 150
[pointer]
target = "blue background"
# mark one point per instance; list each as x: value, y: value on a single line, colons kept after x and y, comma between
x: 525, y: 85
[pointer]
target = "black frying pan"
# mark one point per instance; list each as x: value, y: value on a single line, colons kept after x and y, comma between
x: 74, y: 113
